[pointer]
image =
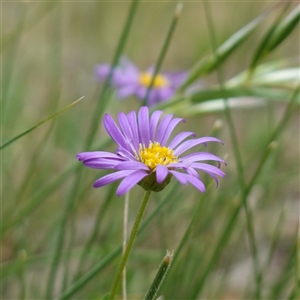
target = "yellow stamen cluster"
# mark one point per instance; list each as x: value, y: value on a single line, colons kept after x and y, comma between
x: 155, y: 155
x: 159, y: 80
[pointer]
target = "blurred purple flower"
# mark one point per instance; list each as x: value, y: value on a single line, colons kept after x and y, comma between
x: 129, y: 80
x: 145, y: 157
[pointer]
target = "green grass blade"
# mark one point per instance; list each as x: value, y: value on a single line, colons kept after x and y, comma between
x: 241, y: 91
x: 96, y: 228
x: 102, y: 102
x: 38, y: 124
x: 274, y: 137
x: 81, y: 282
x: 31, y: 23
x: 284, y: 28
x: 164, y: 50
x: 213, y: 61
x: 262, y: 48
x: 237, y: 155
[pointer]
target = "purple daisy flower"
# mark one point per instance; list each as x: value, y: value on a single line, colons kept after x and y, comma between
x: 145, y: 157
x: 129, y: 80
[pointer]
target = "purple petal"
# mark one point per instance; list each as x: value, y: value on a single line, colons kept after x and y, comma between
x: 153, y: 97
x: 96, y: 154
x: 169, y: 130
x: 180, y: 137
x: 113, y: 130
x: 161, y: 173
x: 162, y: 127
x: 184, y: 178
x: 131, y: 117
x: 141, y: 92
x: 192, y: 172
x: 164, y: 93
x: 200, y: 156
x: 102, y: 71
x: 126, y: 90
x: 197, y: 183
x: 179, y: 176
x: 153, y: 123
x: 143, y: 120
x: 176, y: 78
x: 191, y: 143
x: 101, y: 163
x: 127, y: 132
x: 130, y: 181
x: 128, y: 65
x: 214, y: 177
x: 131, y: 165
x: 111, y: 178
x: 208, y: 168
x: 126, y: 154
x: 128, y: 74
x: 178, y: 166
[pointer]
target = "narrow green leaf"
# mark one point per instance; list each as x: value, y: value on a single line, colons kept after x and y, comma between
x: 284, y: 28
x: 211, y: 62
x: 164, y: 50
x: 240, y: 91
x: 38, y: 124
x: 262, y: 48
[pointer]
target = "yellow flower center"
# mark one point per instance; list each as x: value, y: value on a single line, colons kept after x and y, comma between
x: 159, y: 80
x: 155, y: 155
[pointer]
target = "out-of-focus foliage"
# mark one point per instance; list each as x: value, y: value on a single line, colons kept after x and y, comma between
x: 49, y: 51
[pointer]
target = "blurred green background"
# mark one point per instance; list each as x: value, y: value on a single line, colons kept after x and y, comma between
x: 49, y: 52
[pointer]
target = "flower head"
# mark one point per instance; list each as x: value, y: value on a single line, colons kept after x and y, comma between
x: 146, y: 157
x: 129, y: 81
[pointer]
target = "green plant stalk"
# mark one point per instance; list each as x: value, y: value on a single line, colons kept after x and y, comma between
x: 38, y: 124
x: 163, y: 50
x: 287, y: 272
x: 99, y: 218
x: 94, y: 126
x: 103, y: 263
x: 233, y: 218
x: 274, y: 136
x: 224, y: 236
x: 38, y: 198
x: 159, y: 277
x: 237, y: 156
x: 129, y: 244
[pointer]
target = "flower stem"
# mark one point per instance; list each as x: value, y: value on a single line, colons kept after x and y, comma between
x: 130, y: 244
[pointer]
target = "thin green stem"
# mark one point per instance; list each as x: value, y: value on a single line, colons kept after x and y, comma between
x: 38, y: 124
x: 129, y: 244
x: 88, y: 276
x: 101, y: 212
x: 163, y: 50
x: 93, y: 129
x: 237, y: 155
x: 274, y: 136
